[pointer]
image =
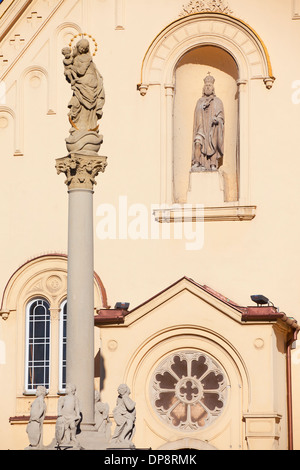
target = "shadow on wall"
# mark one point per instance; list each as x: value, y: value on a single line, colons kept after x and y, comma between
x: 100, y: 370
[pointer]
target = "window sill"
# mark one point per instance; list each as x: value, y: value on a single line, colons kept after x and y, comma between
x: 199, y: 213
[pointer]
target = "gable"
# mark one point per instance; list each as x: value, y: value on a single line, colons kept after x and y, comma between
x: 185, y: 301
x: 188, y: 303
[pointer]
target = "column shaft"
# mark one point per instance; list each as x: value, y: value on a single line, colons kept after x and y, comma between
x: 80, y: 310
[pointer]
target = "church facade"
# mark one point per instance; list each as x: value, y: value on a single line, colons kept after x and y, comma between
x: 195, y: 229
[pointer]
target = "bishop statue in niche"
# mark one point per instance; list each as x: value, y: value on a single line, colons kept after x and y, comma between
x: 208, y: 132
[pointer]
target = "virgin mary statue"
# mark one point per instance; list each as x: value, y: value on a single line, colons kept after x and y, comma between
x: 85, y: 106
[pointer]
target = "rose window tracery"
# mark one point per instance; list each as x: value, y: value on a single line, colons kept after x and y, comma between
x: 189, y: 390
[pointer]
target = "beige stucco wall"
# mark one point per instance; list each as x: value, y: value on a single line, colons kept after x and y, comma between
x: 237, y: 259
x: 135, y: 119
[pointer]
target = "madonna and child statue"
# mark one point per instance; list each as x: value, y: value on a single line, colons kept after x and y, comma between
x: 87, y: 101
x: 208, y: 131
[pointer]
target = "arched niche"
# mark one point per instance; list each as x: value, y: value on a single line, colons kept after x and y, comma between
x: 190, y: 72
x: 159, y: 69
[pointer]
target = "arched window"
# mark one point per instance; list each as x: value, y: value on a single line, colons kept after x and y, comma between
x: 37, y: 362
x: 34, y: 305
x: 38, y: 341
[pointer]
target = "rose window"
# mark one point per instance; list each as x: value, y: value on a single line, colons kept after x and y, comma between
x: 189, y: 390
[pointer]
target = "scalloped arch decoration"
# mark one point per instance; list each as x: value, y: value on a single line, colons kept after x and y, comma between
x: 200, y: 29
x: 43, y: 276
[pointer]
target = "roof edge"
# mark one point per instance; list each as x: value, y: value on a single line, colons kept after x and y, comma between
x: 108, y: 316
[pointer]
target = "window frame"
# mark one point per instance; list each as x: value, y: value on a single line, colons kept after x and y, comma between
x: 61, y: 342
x: 27, y: 389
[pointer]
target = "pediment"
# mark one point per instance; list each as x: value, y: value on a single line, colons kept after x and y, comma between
x: 187, y: 302
x: 187, y: 290
x: 185, y: 299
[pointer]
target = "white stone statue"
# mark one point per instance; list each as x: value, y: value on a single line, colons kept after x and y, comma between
x: 68, y: 412
x: 124, y: 416
x: 102, y: 421
x: 208, y: 133
x: 85, y: 106
x: 34, y: 427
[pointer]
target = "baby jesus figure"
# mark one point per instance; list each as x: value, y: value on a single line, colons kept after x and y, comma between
x: 68, y: 63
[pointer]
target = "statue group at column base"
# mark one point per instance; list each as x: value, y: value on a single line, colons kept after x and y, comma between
x: 70, y: 434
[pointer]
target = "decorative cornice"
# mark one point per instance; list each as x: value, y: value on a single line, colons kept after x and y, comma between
x: 108, y: 316
x: 81, y: 170
x: 201, y: 6
x: 19, y: 12
x: 16, y: 35
x: 24, y: 419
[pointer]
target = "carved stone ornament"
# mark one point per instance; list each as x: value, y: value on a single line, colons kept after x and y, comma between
x: 4, y: 314
x: 200, y: 6
x: 81, y: 170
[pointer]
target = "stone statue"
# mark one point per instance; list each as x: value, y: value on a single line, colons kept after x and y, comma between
x: 85, y: 106
x: 102, y: 421
x: 124, y: 416
x: 208, y: 132
x: 34, y: 427
x: 68, y: 417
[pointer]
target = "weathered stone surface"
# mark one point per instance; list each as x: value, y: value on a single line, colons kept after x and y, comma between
x: 37, y: 414
x: 81, y: 170
x: 85, y: 106
x: 208, y: 133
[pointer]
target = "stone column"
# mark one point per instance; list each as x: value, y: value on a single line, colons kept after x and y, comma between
x: 81, y: 171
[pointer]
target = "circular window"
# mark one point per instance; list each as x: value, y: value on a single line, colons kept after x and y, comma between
x: 189, y: 390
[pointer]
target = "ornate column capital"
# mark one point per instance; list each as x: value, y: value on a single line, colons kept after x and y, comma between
x: 81, y: 170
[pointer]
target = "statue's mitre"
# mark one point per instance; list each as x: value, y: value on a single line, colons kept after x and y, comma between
x: 209, y: 79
